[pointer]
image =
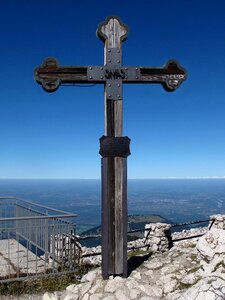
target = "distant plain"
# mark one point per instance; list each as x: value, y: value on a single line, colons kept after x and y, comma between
x: 177, y: 200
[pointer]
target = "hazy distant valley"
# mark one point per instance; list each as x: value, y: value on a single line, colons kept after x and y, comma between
x: 174, y: 200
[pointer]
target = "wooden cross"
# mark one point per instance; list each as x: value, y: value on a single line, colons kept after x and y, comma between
x: 114, y: 148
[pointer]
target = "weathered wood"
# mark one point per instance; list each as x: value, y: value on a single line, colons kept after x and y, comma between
x: 113, y: 230
x: 108, y: 240
x: 118, y: 118
x: 50, y: 75
x: 121, y: 216
x: 170, y: 76
x: 114, y: 163
x: 112, y: 32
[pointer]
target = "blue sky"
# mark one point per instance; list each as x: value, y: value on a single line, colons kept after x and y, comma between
x: 179, y: 134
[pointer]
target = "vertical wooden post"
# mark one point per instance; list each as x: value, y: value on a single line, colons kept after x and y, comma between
x: 114, y: 201
x: 114, y: 169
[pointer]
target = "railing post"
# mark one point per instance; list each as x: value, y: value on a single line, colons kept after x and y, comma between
x: 46, y: 240
x: 31, y: 225
x: 217, y: 221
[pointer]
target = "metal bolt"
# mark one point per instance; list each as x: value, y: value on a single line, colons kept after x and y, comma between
x: 126, y: 68
x: 90, y: 77
x: 118, y: 84
x: 136, y: 77
x: 109, y: 50
x: 136, y: 68
x: 109, y: 95
x: 101, y: 68
x: 101, y: 77
x: 90, y: 68
x: 118, y: 61
x: 126, y: 77
x: 118, y: 51
x: 109, y: 60
x: 109, y: 84
x: 118, y: 96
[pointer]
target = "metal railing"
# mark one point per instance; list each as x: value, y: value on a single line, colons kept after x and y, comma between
x: 35, y: 240
x: 191, y: 224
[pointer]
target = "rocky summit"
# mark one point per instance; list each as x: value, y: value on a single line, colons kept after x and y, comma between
x: 191, y: 269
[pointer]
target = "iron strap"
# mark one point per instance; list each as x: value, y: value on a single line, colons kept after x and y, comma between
x: 114, y: 146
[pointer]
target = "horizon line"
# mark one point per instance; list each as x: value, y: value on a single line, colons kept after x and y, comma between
x: 149, y: 178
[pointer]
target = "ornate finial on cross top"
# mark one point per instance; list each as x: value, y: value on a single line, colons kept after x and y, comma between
x: 112, y: 31
x: 114, y: 148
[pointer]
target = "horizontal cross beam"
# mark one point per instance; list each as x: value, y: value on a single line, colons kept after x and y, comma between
x: 50, y: 75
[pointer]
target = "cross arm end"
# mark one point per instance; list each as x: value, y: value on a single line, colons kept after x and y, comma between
x: 43, y: 75
x: 170, y: 76
x: 112, y: 32
x: 50, y: 75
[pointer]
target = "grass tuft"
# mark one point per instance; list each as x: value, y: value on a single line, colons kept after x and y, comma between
x: 44, y: 284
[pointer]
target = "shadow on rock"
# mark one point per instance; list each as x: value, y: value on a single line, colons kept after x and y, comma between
x: 136, y: 261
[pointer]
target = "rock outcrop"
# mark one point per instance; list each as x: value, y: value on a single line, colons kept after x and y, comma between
x: 157, y: 237
x: 191, y: 269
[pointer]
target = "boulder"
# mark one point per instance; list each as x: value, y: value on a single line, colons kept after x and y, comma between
x: 211, y: 244
x: 210, y: 289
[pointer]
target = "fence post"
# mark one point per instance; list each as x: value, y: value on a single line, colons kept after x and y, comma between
x: 217, y: 221
x: 46, y: 240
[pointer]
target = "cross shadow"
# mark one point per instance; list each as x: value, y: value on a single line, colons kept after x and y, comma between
x: 135, y: 261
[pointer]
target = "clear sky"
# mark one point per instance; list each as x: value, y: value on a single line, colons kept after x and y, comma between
x: 179, y: 134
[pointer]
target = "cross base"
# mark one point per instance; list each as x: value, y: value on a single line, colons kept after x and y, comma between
x: 114, y: 151
x: 114, y: 217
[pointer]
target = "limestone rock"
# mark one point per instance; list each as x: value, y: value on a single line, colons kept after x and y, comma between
x: 147, y: 289
x: 109, y: 297
x: 85, y: 297
x: 205, y: 289
x: 114, y: 284
x: 211, y: 267
x: 97, y: 287
x: 91, y: 275
x: 136, y: 274
x: 122, y: 294
x: 218, y: 221
x: 134, y: 293
x: 212, y: 243
x: 185, y: 272
x: 170, y: 286
x: 73, y: 288
x: 97, y: 296
x: 131, y: 283
x: 71, y: 296
x: 157, y: 291
x: 190, y: 279
x: 48, y: 296
x: 85, y: 288
x: 154, y: 264
x: 147, y: 298
x: 149, y: 273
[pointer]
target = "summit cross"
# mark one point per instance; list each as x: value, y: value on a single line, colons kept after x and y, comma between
x: 114, y: 148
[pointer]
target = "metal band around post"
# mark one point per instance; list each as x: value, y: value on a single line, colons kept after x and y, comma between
x: 114, y: 146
